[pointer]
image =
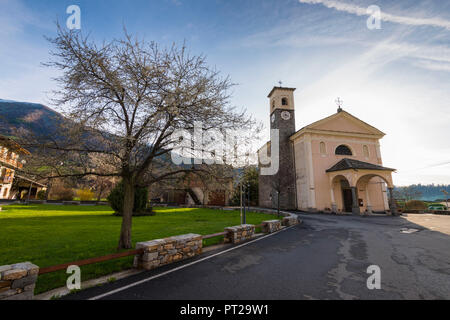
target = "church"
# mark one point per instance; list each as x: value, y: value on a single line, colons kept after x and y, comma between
x: 332, y: 165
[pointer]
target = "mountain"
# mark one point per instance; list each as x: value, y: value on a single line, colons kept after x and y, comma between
x: 15, y: 117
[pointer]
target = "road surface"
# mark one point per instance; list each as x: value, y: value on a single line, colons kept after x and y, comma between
x: 326, y: 257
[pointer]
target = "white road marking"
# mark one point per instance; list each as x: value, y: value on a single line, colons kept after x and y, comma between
x: 183, y: 266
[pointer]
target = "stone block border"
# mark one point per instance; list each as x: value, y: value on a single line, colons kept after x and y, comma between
x: 271, y: 226
x: 164, y: 251
x: 17, y: 281
x: 239, y: 233
x: 287, y: 216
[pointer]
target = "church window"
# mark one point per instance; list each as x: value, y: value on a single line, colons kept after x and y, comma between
x: 366, y: 151
x: 343, y: 151
x: 323, y: 149
x: 284, y: 102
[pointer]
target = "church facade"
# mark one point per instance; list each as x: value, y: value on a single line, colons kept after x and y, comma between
x: 332, y: 165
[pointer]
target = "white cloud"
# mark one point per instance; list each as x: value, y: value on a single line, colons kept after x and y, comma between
x: 433, y: 65
x: 361, y: 11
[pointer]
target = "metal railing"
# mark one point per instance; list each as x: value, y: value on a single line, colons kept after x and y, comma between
x: 115, y: 256
x: 209, y: 236
x: 11, y: 162
x: 108, y: 257
x: 91, y: 261
x: 6, y: 180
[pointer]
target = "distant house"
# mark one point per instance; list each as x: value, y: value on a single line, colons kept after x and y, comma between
x: 192, y: 190
x: 13, y: 184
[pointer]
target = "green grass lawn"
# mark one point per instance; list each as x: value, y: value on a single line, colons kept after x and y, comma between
x: 48, y: 235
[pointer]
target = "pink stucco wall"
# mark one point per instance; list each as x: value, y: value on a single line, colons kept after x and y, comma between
x: 323, y: 161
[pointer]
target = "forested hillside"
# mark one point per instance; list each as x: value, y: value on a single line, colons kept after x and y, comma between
x: 19, y: 117
x: 429, y: 192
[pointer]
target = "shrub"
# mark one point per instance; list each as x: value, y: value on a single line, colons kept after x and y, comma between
x: 85, y: 194
x: 61, y: 193
x: 40, y: 195
x: 116, y: 197
x: 416, y: 205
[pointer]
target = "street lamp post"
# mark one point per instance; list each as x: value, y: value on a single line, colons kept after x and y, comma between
x: 446, y: 198
x: 245, y: 207
x: 248, y: 198
x: 278, y: 203
x: 240, y: 186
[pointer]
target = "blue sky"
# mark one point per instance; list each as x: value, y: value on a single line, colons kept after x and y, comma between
x: 397, y: 78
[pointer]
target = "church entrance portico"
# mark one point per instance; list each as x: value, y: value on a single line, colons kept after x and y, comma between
x: 363, y: 190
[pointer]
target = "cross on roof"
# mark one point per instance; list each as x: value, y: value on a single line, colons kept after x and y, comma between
x: 280, y: 82
x: 339, y: 103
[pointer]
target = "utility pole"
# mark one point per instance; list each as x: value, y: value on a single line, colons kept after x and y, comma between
x: 240, y: 186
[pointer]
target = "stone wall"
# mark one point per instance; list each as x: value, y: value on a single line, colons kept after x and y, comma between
x: 164, y: 251
x: 17, y: 281
x: 239, y: 233
x: 289, y: 221
x: 271, y: 226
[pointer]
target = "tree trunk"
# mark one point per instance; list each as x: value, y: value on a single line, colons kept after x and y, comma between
x: 99, y: 195
x: 47, y: 191
x: 128, y: 203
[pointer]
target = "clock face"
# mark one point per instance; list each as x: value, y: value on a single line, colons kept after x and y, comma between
x: 273, y: 118
x: 285, y: 115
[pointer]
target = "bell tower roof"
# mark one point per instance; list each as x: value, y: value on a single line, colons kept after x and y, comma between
x: 281, y: 98
x: 280, y: 88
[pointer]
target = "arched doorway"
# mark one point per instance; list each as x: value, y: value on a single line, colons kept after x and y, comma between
x: 342, y: 195
x: 373, y: 193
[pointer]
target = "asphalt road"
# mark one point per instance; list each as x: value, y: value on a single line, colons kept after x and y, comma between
x: 324, y: 258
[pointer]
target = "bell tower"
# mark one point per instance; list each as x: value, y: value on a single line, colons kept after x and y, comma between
x: 282, y: 118
x: 282, y: 114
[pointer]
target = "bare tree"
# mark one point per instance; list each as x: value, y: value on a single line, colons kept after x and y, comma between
x: 125, y: 98
x: 101, y: 186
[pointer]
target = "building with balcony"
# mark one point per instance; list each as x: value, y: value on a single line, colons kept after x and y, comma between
x: 12, y: 185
